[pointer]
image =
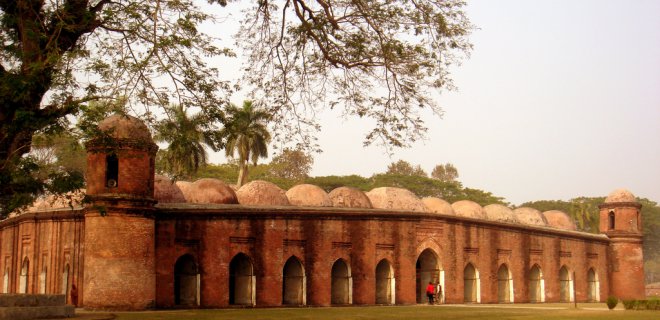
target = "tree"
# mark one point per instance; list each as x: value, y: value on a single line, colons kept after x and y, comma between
x: 245, y: 134
x: 446, y: 172
x: 404, y: 168
x: 187, y: 136
x: 292, y: 164
x: 58, y: 55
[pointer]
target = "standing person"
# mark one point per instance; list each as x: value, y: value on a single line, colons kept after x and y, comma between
x: 430, y: 291
x: 74, y: 295
x: 439, y: 295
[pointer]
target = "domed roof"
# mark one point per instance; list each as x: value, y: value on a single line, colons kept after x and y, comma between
x: 166, y: 191
x: 186, y: 189
x: 262, y: 193
x: 498, y: 212
x: 620, y: 195
x: 125, y: 127
x: 559, y: 219
x: 530, y: 216
x: 348, y: 197
x: 308, y: 195
x: 437, y: 205
x: 469, y: 209
x: 395, y: 198
x: 210, y: 190
x: 67, y: 201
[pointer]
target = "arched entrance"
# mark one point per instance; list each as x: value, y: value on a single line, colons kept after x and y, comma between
x: 471, y: 289
x: 23, y: 281
x: 242, y: 281
x: 536, y: 285
x: 5, y: 281
x: 42, y: 280
x: 385, y: 284
x: 427, y: 270
x: 65, y: 283
x: 504, y: 285
x: 186, y: 281
x: 293, y: 286
x: 342, y: 283
x: 565, y: 285
x: 593, y: 287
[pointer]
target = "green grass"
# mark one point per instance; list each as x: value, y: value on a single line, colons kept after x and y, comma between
x: 536, y: 311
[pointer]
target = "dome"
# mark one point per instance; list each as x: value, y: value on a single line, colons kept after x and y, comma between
x: 308, y: 195
x: 437, y: 205
x: 348, y: 197
x: 559, y: 219
x: 67, y: 201
x: 395, y: 198
x: 469, y: 209
x: 530, y: 216
x: 185, y: 187
x: 498, y: 212
x: 125, y: 127
x: 209, y: 190
x: 262, y: 193
x: 166, y: 191
x: 620, y: 195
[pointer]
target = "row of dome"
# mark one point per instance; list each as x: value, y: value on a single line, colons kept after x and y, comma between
x: 258, y: 192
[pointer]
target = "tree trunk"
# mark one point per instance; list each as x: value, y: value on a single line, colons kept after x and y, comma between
x: 242, y: 174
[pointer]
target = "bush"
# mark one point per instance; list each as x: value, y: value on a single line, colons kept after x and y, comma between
x: 653, y: 304
x: 612, y: 302
x: 629, y: 304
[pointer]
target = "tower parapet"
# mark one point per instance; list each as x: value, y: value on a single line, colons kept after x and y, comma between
x: 620, y: 220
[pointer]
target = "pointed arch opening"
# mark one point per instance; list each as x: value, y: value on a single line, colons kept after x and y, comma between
x: 428, y: 269
x: 536, y: 285
x: 65, y: 282
x: 593, y: 287
x: 186, y: 281
x: 341, y: 284
x: 471, y: 288
x: 504, y: 285
x: 23, y: 280
x: 385, y: 283
x: 565, y: 285
x: 293, y: 286
x: 242, y: 281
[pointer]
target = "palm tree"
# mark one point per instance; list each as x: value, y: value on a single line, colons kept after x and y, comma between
x: 245, y: 133
x: 186, y: 136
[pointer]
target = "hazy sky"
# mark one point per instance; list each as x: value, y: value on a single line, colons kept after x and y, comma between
x: 559, y: 99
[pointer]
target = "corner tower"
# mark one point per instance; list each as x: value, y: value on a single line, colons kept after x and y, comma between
x: 119, y: 263
x: 620, y: 220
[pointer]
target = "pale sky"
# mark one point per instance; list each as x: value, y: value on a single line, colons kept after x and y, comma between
x: 559, y: 99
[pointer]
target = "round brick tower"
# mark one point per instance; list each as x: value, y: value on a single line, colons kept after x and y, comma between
x: 620, y: 220
x: 119, y: 258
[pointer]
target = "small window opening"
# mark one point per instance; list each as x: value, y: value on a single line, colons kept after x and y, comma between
x: 611, y: 220
x: 112, y: 171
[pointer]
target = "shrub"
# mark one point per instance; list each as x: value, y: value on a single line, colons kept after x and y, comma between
x: 653, y: 304
x: 629, y: 304
x: 612, y: 302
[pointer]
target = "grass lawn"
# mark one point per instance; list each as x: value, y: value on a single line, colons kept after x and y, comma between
x: 518, y: 311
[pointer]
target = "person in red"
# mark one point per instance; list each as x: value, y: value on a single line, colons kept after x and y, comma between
x: 430, y: 292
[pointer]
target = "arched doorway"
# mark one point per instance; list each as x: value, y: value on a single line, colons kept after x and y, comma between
x: 385, y: 284
x: 242, y: 281
x: 565, y: 285
x: 471, y: 289
x: 593, y: 287
x: 23, y: 280
x: 427, y: 270
x: 293, y: 286
x: 342, y: 283
x: 504, y: 285
x: 536, y: 285
x: 5, y: 281
x: 186, y: 281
